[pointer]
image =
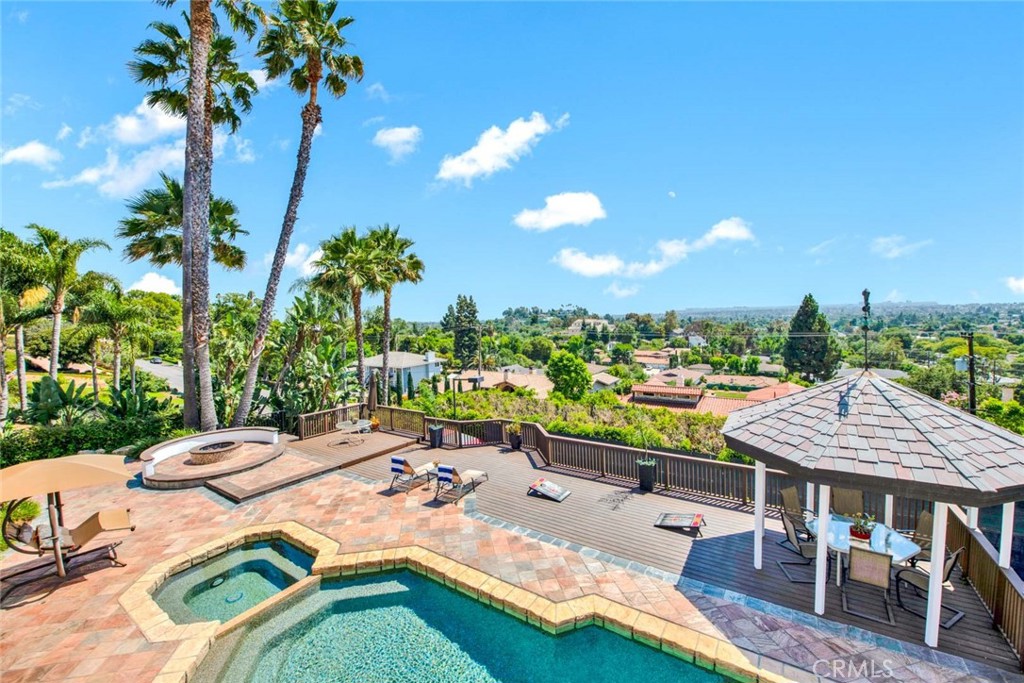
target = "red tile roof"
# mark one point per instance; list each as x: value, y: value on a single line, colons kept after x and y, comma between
x: 666, y: 390
x: 779, y: 390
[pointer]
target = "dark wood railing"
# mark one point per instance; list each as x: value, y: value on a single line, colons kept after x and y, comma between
x: 326, y: 421
x: 1000, y: 590
x: 468, y: 433
x: 401, y: 420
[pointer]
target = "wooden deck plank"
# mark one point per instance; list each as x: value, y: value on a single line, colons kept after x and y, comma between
x: 619, y: 520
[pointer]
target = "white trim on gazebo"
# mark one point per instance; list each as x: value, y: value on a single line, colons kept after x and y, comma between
x: 1006, y: 535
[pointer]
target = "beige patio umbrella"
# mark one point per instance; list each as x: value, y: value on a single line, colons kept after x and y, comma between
x: 371, y: 401
x: 60, y: 474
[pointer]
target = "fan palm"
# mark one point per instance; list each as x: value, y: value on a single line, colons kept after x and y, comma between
x: 57, y: 262
x: 395, y: 266
x: 198, y: 78
x: 154, y: 229
x: 304, y: 41
x: 118, y: 317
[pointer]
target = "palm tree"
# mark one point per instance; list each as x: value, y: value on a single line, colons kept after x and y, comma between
x: 349, y: 266
x: 153, y: 231
x: 118, y: 317
x: 304, y: 325
x: 198, y: 78
x: 58, y: 271
x: 395, y: 267
x: 22, y: 301
x: 304, y: 41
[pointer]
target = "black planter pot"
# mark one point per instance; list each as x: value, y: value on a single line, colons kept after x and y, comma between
x: 516, y: 441
x: 648, y: 475
x: 436, y: 434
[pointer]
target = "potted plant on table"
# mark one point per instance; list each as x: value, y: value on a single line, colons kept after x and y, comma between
x: 515, y: 435
x: 648, y: 469
x: 862, y: 526
x: 374, y: 423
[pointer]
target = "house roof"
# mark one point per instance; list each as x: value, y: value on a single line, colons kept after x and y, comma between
x: 399, y: 359
x: 867, y: 432
x: 706, y: 404
x: 702, y: 368
x: 741, y: 380
x: 594, y: 368
x: 665, y: 390
x: 606, y: 379
x: 777, y: 391
x: 676, y: 375
x: 494, y: 379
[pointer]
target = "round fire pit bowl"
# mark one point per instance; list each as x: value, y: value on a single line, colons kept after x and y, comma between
x: 210, y: 453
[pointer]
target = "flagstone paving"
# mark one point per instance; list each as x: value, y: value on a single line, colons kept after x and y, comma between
x: 76, y: 630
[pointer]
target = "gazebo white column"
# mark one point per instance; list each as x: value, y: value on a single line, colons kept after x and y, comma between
x: 1006, y: 535
x: 934, y: 613
x: 821, y: 562
x: 888, y: 510
x: 810, y: 496
x: 972, y: 517
x: 759, y: 496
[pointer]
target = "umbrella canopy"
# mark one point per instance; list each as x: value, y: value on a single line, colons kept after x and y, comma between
x: 61, y: 474
x: 371, y: 401
x: 869, y: 433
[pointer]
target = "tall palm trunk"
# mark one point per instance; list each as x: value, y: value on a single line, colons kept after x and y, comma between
x: 19, y: 364
x: 95, y: 371
x: 190, y: 410
x: 357, y: 315
x: 310, y: 119
x: 4, y: 400
x: 196, y: 201
x: 117, y: 363
x: 386, y: 345
x: 58, y: 311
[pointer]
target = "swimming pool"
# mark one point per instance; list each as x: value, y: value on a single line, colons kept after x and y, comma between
x: 404, y: 627
x: 224, y: 586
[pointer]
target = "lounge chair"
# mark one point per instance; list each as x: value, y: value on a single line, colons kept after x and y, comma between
x: 406, y: 474
x: 805, y: 549
x: 451, y: 480
x: 847, y: 502
x: 918, y: 579
x: 798, y: 515
x: 869, y: 568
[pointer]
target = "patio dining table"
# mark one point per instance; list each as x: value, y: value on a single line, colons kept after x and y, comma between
x: 883, y: 540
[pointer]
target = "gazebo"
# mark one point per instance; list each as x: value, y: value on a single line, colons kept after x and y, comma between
x: 868, y: 433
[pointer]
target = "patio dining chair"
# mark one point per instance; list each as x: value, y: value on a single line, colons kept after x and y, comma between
x: 808, y: 550
x: 847, y: 502
x: 451, y: 480
x: 917, y: 579
x: 797, y: 515
x: 922, y: 536
x: 866, y: 567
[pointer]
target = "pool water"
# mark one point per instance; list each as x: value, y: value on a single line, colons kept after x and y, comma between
x: 224, y: 586
x: 403, y: 627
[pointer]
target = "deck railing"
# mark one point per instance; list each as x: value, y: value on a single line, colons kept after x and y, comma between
x: 326, y: 421
x: 1000, y: 590
x: 468, y: 433
x: 401, y: 420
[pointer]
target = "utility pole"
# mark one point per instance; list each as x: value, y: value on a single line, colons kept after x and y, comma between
x: 866, y: 308
x: 972, y: 401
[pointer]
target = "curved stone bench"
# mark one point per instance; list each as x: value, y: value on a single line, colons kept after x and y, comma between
x: 154, y: 455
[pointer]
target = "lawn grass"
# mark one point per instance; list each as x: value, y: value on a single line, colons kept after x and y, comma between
x: 727, y: 394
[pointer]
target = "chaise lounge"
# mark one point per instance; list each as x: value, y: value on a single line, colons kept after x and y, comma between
x: 450, y: 480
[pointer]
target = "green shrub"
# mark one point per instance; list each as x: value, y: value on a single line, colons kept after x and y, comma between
x: 25, y: 512
x: 39, y: 443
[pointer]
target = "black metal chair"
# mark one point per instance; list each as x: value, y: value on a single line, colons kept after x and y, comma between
x: 797, y: 516
x: 869, y: 568
x: 918, y: 579
x: 805, y: 549
x: 922, y: 536
x: 847, y: 502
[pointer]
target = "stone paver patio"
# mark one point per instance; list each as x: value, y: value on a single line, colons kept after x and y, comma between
x: 76, y: 630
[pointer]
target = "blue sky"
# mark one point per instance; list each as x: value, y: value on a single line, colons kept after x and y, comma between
x: 616, y: 156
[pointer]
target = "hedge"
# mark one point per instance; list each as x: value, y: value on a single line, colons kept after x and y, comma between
x: 38, y: 443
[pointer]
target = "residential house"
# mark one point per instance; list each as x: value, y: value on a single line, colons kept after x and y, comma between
x: 686, y: 399
x: 653, y: 360
x: 515, y: 368
x: 777, y: 391
x: 696, y: 341
x: 420, y: 365
x: 702, y: 368
x: 602, y: 381
x: 676, y: 376
x: 739, y: 382
x: 507, y: 381
x: 578, y: 326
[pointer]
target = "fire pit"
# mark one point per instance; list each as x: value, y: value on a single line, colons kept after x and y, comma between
x: 210, y: 453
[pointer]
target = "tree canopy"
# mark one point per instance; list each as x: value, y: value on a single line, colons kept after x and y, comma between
x: 810, y: 349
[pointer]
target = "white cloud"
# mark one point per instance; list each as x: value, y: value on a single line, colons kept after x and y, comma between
x: 117, y: 180
x: 1016, y: 284
x: 377, y: 91
x: 567, y: 208
x: 244, y: 153
x: 496, y: 149
x: 373, y: 121
x: 895, y: 246
x: 155, y: 282
x: 86, y: 137
x: 671, y: 194
x: 65, y: 130
x: 34, y: 153
x: 398, y: 142
x: 821, y: 247
x: 667, y: 253
x: 620, y: 292
x: 144, y: 125
x: 894, y: 296
x: 318, y: 131
x: 263, y: 84
x: 20, y: 16
x: 302, y: 258
x: 19, y: 101
x: 583, y: 264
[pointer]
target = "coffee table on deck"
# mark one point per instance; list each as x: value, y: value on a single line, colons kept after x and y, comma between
x: 683, y: 521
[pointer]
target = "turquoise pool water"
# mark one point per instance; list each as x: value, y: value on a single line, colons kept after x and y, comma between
x: 402, y: 627
x: 223, y: 587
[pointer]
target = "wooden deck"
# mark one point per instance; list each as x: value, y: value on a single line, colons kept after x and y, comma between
x: 618, y: 519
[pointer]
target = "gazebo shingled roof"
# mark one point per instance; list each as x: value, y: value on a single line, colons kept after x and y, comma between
x: 869, y: 433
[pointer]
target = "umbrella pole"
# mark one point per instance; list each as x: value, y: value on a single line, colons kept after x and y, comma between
x: 60, y: 508
x: 55, y: 530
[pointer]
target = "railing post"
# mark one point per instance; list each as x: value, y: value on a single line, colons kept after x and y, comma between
x: 604, y: 459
